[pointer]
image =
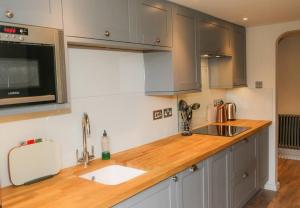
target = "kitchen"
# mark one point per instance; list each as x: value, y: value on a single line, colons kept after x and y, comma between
x: 128, y: 62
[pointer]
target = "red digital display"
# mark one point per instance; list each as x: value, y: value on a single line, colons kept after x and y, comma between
x: 10, y: 30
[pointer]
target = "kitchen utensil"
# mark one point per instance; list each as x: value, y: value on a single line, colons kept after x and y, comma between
x: 221, y: 113
x: 31, y: 163
x: 231, y: 111
x: 186, y: 112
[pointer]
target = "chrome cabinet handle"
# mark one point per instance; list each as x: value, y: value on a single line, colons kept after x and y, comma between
x: 245, y: 175
x: 9, y: 14
x: 193, y: 168
x: 174, y: 178
x: 107, y: 33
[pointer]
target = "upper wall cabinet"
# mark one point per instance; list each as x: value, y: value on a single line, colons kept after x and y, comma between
x: 154, y: 22
x: 46, y: 13
x: 178, y: 71
x: 104, y: 19
x: 214, y: 37
x: 187, y: 73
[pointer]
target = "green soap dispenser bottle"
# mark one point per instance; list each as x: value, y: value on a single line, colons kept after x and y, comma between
x: 105, y: 146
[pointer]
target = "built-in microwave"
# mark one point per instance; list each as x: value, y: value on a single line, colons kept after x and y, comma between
x: 32, y: 67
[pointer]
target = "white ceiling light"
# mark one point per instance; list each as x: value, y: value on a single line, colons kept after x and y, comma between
x: 245, y: 18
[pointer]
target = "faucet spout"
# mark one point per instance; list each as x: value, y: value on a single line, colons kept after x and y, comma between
x: 86, y: 131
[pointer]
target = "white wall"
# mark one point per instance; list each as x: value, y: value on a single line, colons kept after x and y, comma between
x: 261, y: 66
x: 288, y: 71
x: 109, y: 86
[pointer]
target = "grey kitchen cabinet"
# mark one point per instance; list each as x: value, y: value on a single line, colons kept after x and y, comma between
x: 263, y: 157
x: 46, y: 13
x: 239, y: 56
x: 214, y: 37
x: 153, y: 22
x: 105, y: 19
x: 219, y: 180
x: 243, y: 171
x: 192, y: 187
x: 162, y: 195
x: 177, y: 71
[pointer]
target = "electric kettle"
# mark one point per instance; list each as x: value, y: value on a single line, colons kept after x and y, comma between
x: 231, y: 111
x: 221, y: 114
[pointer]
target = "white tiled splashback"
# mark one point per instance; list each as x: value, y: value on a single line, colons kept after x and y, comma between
x: 109, y: 86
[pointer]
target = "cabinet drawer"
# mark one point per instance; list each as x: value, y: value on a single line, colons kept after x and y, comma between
x: 243, y: 188
x: 243, y: 156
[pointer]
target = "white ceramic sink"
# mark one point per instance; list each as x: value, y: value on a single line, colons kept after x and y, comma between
x: 113, y: 174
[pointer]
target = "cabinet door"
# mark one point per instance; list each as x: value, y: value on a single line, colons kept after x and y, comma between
x: 192, y: 187
x: 239, y: 58
x: 187, y: 73
x: 161, y: 195
x: 263, y: 157
x: 47, y: 13
x: 218, y: 175
x: 243, y: 180
x: 154, y: 22
x: 214, y: 38
x: 104, y: 19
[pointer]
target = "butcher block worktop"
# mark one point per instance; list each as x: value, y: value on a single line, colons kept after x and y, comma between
x: 161, y: 159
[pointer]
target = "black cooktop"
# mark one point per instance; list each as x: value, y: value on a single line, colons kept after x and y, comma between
x: 220, y: 130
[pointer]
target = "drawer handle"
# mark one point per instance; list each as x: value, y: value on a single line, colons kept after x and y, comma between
x: 9, y: 14
x: 245, y: 175
x: 174, y: 178
x: 157, y: 40
x: 107, y: 33
x: 193, y: 168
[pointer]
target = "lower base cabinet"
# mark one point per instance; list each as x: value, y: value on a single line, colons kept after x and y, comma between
x: 227, y: 179
x: 218, y: 177
x: 191, y: 187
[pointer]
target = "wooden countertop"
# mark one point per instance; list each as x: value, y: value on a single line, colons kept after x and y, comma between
x: 161, y: 159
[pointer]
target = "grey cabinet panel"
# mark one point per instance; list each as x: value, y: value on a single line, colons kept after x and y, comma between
x: 263, y: 157
x: 177, y: 71
x: 243, y: 156
x: 161, y: 195
x: 243, y: 171
x: 187, y: 73
x: 47, y: 13
x: 192, y: 187
x: 218, y: 176
x: 239, y: 57
x: 214, y: 37
x: 243, y: 188
x: 105, y: 19
x: 154, y: 22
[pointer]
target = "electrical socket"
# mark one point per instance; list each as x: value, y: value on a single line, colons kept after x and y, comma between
x: 258, y: 84
x: 167, y: 112
x: 157, y: 114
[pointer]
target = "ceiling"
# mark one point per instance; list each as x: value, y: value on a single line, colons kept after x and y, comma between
x: 258, y: 12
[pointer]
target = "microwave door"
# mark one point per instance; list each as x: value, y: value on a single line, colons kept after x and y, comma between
x: 27, y: 73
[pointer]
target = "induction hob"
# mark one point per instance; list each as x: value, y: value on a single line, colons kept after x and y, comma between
x: 220, y: 130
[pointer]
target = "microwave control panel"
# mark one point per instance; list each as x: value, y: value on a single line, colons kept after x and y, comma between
x: 12, y: 33
x: 13, y: 30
